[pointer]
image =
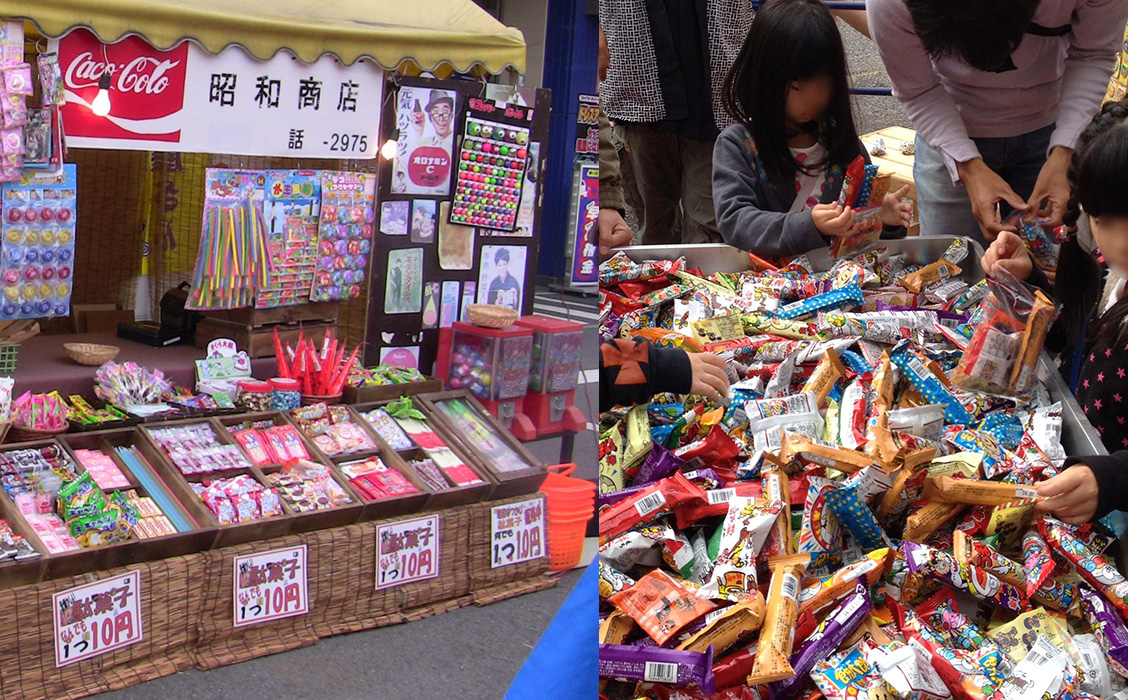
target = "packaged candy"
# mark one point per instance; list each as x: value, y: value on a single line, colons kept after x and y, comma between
x: 927, y: 383
x: 660, y: 605
x: 1093, y: 568
x: 820, y: 535
x: 1042, y: 315
x: 1016, y: 637
x: 823, y: 379
x: 850, y: 295
x: 778, y: 633
x: 849, y: 675
x: 1038, y: 565
x: 905, y: 669
x: 971, y: 579
x: 1109, y: 628
x: 776, y: 489
x: 1039, y: 241
x: 1045, y: 672
x: 657, y: 665
x: 929, y: 275
x: 975, y: 553
x: 743, y: 534
x: 941, y: 613
x: 649, y: 503
x: 727, y: 626
x: 946, y: 489
x: 856, y: 516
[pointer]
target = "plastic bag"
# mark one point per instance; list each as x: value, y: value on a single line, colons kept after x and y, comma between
x: 1003, y: 353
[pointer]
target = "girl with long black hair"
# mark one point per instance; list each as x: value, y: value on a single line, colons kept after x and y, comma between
x: 1092, y: 332
x: 778, y: 171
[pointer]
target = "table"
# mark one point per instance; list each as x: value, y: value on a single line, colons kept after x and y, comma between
x: 44, y: 366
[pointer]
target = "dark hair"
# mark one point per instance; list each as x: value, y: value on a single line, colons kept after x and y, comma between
x: 790, y: 40
x: 1097, y: 175
x: 501, y: 254
x: 983, y: 33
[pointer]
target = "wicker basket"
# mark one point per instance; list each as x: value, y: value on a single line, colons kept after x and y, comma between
x: 18, y: 433
x: 91, y: 354
x: 491, y: 315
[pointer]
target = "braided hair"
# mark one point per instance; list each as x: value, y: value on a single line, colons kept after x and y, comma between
x: 1097, y: 174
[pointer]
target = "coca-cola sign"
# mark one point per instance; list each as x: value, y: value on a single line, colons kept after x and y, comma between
x: 188, y: 100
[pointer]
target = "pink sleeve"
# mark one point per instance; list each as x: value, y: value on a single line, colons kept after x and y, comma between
x: 1098, y: 28
x: 916, y: 84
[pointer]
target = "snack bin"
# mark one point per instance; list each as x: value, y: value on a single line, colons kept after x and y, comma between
x: 314, y: 519
x: 495, y: 450
x: 492, y: 364
x: 438, y: 500
x: 554, y: 374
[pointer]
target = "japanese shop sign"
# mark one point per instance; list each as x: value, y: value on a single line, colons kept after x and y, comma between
x: 96, y: 618
x: 188, y: 100
x: 517, y: 532
x: 584, y: 269
x: 587, y: 126
x: 407, y: 551
x: 271, y: 586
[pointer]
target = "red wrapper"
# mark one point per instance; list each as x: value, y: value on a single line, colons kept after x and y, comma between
x: 717, y: 451
x: 852, y: 183
x: 1093, y: 567
x: 734, y: 668
x: 718, y: 503
x: 1038, y: 563
x: 644, y: 506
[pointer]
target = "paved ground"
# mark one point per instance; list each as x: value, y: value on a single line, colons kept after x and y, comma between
x: 871, y: 113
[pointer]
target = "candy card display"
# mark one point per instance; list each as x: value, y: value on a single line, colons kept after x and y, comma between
x: 348, y: 217
x: 491, y: 174
x: 291, y: 207
x: 37, y: 263
x: 15, y: 87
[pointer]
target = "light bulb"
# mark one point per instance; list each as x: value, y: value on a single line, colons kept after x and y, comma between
x: 101, y: 104
x: 389, y: 149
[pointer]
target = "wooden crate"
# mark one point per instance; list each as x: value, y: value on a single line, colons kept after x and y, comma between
x: 487, y: 582
x: 897, y: 164
x: 312, y: 312
x: 259, y: 342
x: 369, y: 394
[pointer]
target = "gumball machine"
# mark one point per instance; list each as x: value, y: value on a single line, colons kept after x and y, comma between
x: 493, y: 365
x: 555, y: 372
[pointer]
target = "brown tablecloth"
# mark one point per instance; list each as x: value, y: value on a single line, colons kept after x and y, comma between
x: 44, y: 366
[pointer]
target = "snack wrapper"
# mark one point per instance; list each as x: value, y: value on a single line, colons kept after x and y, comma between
x: 830, y: 589
x: 827, y: 637
x: 905, y: 669
x: 1038, y: 241
x: 1016, y: 637
x: 1037, y: 562
x: 1093, y: 567
x: 808, y: 449
x: 856, y: 516
x: 639, y: 547
x: 927, y: 383
x: 612, y: 581
x: 971, y: 579
x: 928, y: 518
x: 611, y: 460
x: 940, y: 611
x: 947, y: 489
x: 615, y: 628
x: 1045, y: 672
x: 930, y: 275
x: 660, y: 605
x: 644, y: 506
x: 659, y: 464
x: 820, y: 535
x: 743, y: 533
x: 762, y: 323
x: 776, y: 489
x: 778, y: 634
x: 850, y: 295
x: 971, y: 296
x: 853, y: 412
x: 734, y: 668
x: 825, y: 376
x: 888, y: 327
x: 975, y: 553
x: 849, y: 675
x: 657, y: 665
x: 1042, y: 315
x: 1107, y: 625
x: 727, y: 626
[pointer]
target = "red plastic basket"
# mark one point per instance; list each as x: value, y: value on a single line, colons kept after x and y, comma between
x: 565, y: 542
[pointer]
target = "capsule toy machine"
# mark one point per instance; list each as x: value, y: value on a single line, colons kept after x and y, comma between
x: 493, y: 365
x: 554, y: 374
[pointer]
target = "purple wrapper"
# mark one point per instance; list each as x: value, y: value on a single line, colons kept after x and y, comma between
x: 970, y: 579
x: 826, y: 638
x: 659, y: 464
x: 610, y: 499
x: 1109, y: 628
x: 657, y: 665
x: 696, y: 476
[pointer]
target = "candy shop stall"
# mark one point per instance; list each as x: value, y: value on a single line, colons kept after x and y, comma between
x: 857, y: 519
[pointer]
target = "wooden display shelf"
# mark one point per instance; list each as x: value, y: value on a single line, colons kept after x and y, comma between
x: 373, y: 394
x: 327, y: 311
x: 514, y: 482
x: 259, y: 342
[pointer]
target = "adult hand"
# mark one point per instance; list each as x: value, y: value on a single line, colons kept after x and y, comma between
x: 1071, y: 496
x: 709, y: 377
x: 834, y: 220
x: 1009, y: 253
x: 613, y: 232
x: 604, y: 55
x: 1052, y: 186
x: 985, y: 189
x: 894, y: 212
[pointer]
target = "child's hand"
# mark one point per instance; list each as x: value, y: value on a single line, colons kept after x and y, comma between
x: 894, y: 212
x: 709, y: 378
x: 1009, y: 253
x: 833, y: 220
x: 1071, y: 496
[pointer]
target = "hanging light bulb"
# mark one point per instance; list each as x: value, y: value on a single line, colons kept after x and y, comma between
x: 389, y: 149
x: 101, y: 104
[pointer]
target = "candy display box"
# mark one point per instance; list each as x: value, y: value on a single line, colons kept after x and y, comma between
x: 554, y: 375
x: 369, y: 394
x: 495, y: 450
x: 491, y: 364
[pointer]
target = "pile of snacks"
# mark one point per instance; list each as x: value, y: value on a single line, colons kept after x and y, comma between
x: 267, y: 443
x: 152, y: 522
x: 81, y: 412
x: 332, y: 429
x: 307, y: 486
x: 857, y: 520
x: 129, y: 384
x: 195, y: 449
x: 13, y: 546
x: 40, y: 412
x: 238, y: 500
x: 382, y: 375
x: 102, y: 468
x: 375, y: 481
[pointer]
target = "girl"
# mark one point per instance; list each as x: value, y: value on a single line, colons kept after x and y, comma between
x: 1090, y: 282
x: 777, y: 172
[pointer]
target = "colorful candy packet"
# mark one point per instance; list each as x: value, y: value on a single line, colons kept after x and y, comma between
x: 946, y: 489
x: 1107, y: 625
x: 825, y: 376
x: 856, y: 516
x: 728, y: 626
x: 933, y: 389
x: 848, y: 675
x: 660, y: 605
x: 941, y: 612
x: 971, y: 579
x: 1045, y: 672
x: 820, y: 535
x: 970, y: 551
x: 648, y: 504
x: 1042, y: 315
x: 817, y: 596
x: 1101, y: 575
x: 657, y: 665
x: 1016, y: 637
x: 776, y: 489
x: 612, y: 581
x: 778, y: 633
x: 746, y: 528
x: 850, y: 295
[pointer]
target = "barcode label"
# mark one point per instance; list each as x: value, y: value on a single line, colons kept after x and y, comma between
x: 1036, y: 658
x: 1025, y: 493
x: 657, y: 672
x: 695, y: 463
x: 720, y: 496
x: 863, y: 568
x: 773, y: 489
x: 710, y: 618
x: 651, y: 503
x: 790, y: 588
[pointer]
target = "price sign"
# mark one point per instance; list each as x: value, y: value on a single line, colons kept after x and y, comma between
x: 517, y: 532
x: 270, y: 586
x: 407, y: 551
x: 98, y: 617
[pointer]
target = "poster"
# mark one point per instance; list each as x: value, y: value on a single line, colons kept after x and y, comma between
x: 587, y: 127
x: 448, y: 306
x: 270, y: 586
x: 584, y: 267
x: 407, y: 551
x: 425, y: 118
x: 347, y: 220
x: 517, y: 532
x: 97, y: 617
x: 394, y: 218
x: 400, y: 357
x: 423, y: 223
x: 187, y: 100
x: 456, y: 242
x: 526, y: 214
x: 499, y: 278
x: 431, y: 304
x: 291, y: 206
x: 468, y: 290
x: 403, y: 292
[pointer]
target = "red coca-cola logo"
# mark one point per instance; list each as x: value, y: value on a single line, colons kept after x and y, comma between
x: 145, y: 84
x: 429, y: 166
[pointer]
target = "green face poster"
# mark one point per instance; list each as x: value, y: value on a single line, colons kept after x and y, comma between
x: 403, y: 291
